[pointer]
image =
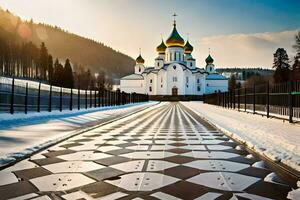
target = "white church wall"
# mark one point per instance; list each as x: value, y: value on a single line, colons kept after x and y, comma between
x: 175, y: 78
x: 139, y: 69
x: 130, y: 86
x: 151, y: 84
x: 213, y: 86
x: 189, y: 82
x: 199, y: 84
x: 161, y: 86
x: 174, y: 52
x: 159, y: 62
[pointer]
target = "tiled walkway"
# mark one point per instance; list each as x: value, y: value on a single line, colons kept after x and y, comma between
x: 164, y: 153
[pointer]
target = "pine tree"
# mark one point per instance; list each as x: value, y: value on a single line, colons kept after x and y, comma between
x: 295, y: 73
x: 50, y: 69
x: 282, y: 66
x: 68, y: 75
x: 43, y: 61
x: 58, y: 74
x: 296, y: 46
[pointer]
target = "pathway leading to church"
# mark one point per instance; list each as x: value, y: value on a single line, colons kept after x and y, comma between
x: 165, y: 152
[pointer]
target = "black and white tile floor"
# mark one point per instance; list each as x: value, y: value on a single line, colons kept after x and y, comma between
x: 165, y: 152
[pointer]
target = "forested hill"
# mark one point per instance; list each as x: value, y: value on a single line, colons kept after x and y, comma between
x: 62, y: 44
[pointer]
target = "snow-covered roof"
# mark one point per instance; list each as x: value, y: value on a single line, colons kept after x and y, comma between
x: 215, y: 76
x: 133, y: 77
x: 198, y: 70
x: 149, y: 69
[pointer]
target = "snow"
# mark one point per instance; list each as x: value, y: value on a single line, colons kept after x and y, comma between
x: 22, y: 135
x: 272, y: 138
x: 295, y: 194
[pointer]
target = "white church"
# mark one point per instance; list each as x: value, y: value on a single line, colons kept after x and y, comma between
x: 174, y: 72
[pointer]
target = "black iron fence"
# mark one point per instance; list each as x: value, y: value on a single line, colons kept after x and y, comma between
x: 279, y: 100
x: 29, y: 96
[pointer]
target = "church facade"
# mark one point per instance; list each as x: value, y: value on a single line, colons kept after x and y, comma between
x: 174, y: 72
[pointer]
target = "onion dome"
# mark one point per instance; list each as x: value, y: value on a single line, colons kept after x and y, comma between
x: 140, y: 60
x: 161, y: 48
x: 188, y: 48
x: 209, y: 60
x: 175, y: 40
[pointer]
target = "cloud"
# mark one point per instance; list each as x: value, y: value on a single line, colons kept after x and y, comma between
x: 245, y: 50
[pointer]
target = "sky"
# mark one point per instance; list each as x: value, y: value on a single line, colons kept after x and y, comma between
x: 239, y: 33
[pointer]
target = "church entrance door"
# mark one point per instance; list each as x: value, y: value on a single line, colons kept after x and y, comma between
x: 174, y: 91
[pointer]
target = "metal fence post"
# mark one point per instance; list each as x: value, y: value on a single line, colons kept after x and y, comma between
x: 228, y: 99
x: 50, y: 99
x: 245, y: 93
x: 95, y: 98
x: 39, y: 98
x: 99, y: 98
x: 290, y: 101
x: 239, y: 100
x: 254, y: 96
x: 71, y: 99
x: 26, y: 99
x: 107, y: 98
x: 12, y: 97
x: 118, y: 97
x: 78, y: 98
x: 109, y: 94
x: 91, y: 98
x: 103, y: 97
x: 60, y: 99
x: 231, y: 99
x: 233, y: 95
x: 268, y: 99
x: 86, y: 99
x: 225, y: 95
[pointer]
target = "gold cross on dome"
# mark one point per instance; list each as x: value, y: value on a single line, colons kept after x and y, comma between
x: 174, y: 16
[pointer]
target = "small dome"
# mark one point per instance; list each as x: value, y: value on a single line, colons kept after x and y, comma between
x: 140, y: 60
x: 209, y: 60
x: 175, y: 40
x: 161, y: 48
x: 188, y: 48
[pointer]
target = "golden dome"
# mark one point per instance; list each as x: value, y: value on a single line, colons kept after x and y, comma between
x: 188, y: 48
x: 175, y: 40
x: 140, y: 60
x: 161, y: 48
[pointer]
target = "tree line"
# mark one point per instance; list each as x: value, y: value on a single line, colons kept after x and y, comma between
x: 286, y: 69
x: 28, y: 61
x: 63, y: 44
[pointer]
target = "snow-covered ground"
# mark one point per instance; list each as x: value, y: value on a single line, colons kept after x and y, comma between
x: 273, y: 138
x: 22, y: 135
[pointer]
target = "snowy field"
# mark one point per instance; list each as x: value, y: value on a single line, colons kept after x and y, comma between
x: 22, y: 135
x: 273, y: 138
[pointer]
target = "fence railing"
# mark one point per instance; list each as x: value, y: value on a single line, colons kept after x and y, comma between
x: 29, y: 96
x: 279, y: 100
